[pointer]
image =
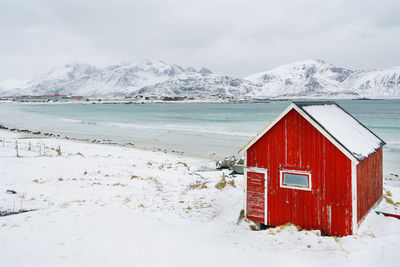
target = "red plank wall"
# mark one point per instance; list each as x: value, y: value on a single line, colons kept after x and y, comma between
x: 369, y: 183
x: 293, y: 143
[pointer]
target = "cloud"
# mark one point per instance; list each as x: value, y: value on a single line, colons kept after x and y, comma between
x: 230, y: 37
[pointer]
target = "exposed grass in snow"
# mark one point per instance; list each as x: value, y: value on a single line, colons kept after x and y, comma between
x: 388, y: 197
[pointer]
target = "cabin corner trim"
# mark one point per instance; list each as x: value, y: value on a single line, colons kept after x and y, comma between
x: 354, y: 223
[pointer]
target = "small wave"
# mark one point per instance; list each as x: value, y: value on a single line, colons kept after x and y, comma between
x: 182, y: 128
x: 78, y: 121
x: 71, y: 120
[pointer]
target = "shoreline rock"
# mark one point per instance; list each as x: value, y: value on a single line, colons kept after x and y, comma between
x: 232, y: 163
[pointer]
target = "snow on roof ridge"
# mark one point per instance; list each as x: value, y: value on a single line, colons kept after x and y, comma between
x: 343, y: 127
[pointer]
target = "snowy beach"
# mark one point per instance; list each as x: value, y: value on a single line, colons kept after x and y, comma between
x: 102, y: 205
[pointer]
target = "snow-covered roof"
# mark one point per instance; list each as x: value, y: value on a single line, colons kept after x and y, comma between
x: 348, y: 131
x: 343, y: 130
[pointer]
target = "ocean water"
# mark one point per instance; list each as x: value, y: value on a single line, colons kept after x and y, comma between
x: 205, y: 129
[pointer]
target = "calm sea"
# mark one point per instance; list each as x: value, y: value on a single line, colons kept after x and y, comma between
x: 206, y: 129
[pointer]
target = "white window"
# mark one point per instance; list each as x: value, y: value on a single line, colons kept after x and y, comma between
x: 295, y: 179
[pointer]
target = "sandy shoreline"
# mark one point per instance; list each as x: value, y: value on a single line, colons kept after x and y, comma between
x: 100, y: 205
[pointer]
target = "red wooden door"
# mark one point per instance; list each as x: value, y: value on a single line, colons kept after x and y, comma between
x: 255, y: 198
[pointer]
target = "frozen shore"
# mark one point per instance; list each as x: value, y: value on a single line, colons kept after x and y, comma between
x: 101, y: 205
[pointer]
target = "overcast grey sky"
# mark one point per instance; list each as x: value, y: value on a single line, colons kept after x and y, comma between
x: 227, y: 36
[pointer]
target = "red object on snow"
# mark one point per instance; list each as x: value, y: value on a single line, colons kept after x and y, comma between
x: 298, y: 172
x: 397, y: 216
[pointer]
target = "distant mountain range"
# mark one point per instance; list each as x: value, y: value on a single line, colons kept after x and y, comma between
x: 318, y: 78
x: 309, y: 78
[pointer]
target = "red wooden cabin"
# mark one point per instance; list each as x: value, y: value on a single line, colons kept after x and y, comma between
x: 315, y: 166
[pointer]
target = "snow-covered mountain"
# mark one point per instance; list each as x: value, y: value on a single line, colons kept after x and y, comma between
x: 318, y: 78
x: 301, y: 78
x: 383, y: 83
x: 309, y: 78
x: 84, y: 79
x: 210, y: 86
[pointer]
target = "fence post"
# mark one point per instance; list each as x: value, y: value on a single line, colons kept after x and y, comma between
x: 16, y: 148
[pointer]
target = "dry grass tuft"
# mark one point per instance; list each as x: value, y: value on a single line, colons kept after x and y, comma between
x: 154, y: 179
x: 281, y: 227
x: 35, y: 181
x: 388, y: 193
x: 241, y: 216
x: 58, y: 150
x: 232, y: 183
x: 253, y: 227
x: 184, y: 164
x: 149, y: 163
x: 388, y: 197
x: 85, y: 172
x: 118, y: 184
x: 221, y: 184
x: 196, y: 185
x: 134, y: 177
x: 80, y: 154
x: 64, y: 205
x: 60, y: 179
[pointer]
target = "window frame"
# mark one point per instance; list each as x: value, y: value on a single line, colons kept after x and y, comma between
x: 296, y: 172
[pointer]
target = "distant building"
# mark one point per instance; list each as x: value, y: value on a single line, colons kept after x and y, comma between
x: 58, y: 96
x: 172, y: 98
x: 48, y: 98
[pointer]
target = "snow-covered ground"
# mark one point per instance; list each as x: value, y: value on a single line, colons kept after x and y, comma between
x: 103, y: 205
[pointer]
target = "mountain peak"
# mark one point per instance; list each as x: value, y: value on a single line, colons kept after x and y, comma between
x: 70, y: 71
x: 205, y: 71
